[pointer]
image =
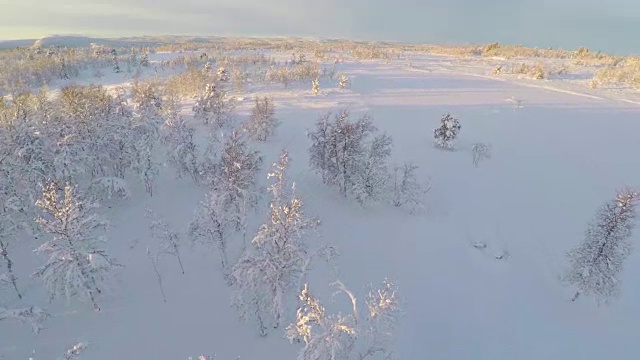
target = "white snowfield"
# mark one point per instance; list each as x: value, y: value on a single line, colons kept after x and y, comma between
x: 557, y: 155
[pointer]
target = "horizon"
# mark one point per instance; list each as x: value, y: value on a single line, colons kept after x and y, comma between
x: 572, y: 24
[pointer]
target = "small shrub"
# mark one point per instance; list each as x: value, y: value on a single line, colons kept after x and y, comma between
x: 480, y: 151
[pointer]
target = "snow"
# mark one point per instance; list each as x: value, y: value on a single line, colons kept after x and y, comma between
x: 554, y: 160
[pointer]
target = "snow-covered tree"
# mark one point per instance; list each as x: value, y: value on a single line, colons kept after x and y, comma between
x: 144, y: 60
x: 77, y: 265
x: 350, y: 336
x: 8, y: 233
x: 167, y: 239
x: 237, y: 174
x: 408, y: 191
x: 147, y: 120
x: 347, y: 156
x: 344, y: 81
x: 372, y: 176
x: 263, y: 122
x: 213, y: 223
x: 213, y: 108
x: 147, y: 99
x: 325, y: 337
x: 133, y: 58
x: 338, y: 147
x: 209, y: 162
x: 223, y: 75
x: 181, y: 148
x: 116, y: 65
x: 381, y: 322
x: 267, y: 274
x: 64, y: 73
x: 315, y: 86
x: 447, y: 132
x: 595, y: 265
x: 322, y: 147
x: 238, y: 78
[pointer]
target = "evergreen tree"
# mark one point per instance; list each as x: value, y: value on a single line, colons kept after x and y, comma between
x: 447, y: 132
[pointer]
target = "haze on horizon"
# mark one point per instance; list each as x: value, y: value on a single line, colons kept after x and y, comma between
x: 545, y: 23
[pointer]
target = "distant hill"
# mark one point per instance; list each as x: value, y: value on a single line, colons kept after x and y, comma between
x: 81, y: 41
x: 84, y: 41
x: 11, y: 44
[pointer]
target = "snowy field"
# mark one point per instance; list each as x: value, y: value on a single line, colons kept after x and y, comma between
x: 557, y: 155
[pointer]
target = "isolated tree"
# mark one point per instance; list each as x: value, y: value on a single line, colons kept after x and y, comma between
x: 480, y: 151
x: 133, y: 58
x: 595, y: 265
x: 315, y: 86
x: 64, y: 73
x: 408, y: 191
x: 447, y: 132
x: 144, y: 60
x: 265, y: 276
x: 263, y: 122
x: 223, y: 75
x: 351, y: 336
x: 344, y: 81
x: 116, y: 65
x: 77, y: 266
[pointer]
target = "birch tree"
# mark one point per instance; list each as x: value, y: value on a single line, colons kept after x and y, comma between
x: 77, y: 266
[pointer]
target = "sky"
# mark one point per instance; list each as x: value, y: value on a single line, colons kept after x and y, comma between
x: 600, y: 25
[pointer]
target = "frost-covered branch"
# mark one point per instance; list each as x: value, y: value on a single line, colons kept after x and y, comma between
x: 347, y: 336
x: 32, y: 316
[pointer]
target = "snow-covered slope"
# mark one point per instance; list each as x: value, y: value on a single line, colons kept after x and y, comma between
x: 556, y: 158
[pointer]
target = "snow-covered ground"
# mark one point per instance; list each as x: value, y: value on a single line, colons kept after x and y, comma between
x: 556, y: 157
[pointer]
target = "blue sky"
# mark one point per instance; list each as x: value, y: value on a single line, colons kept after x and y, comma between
x: 556, y: 23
